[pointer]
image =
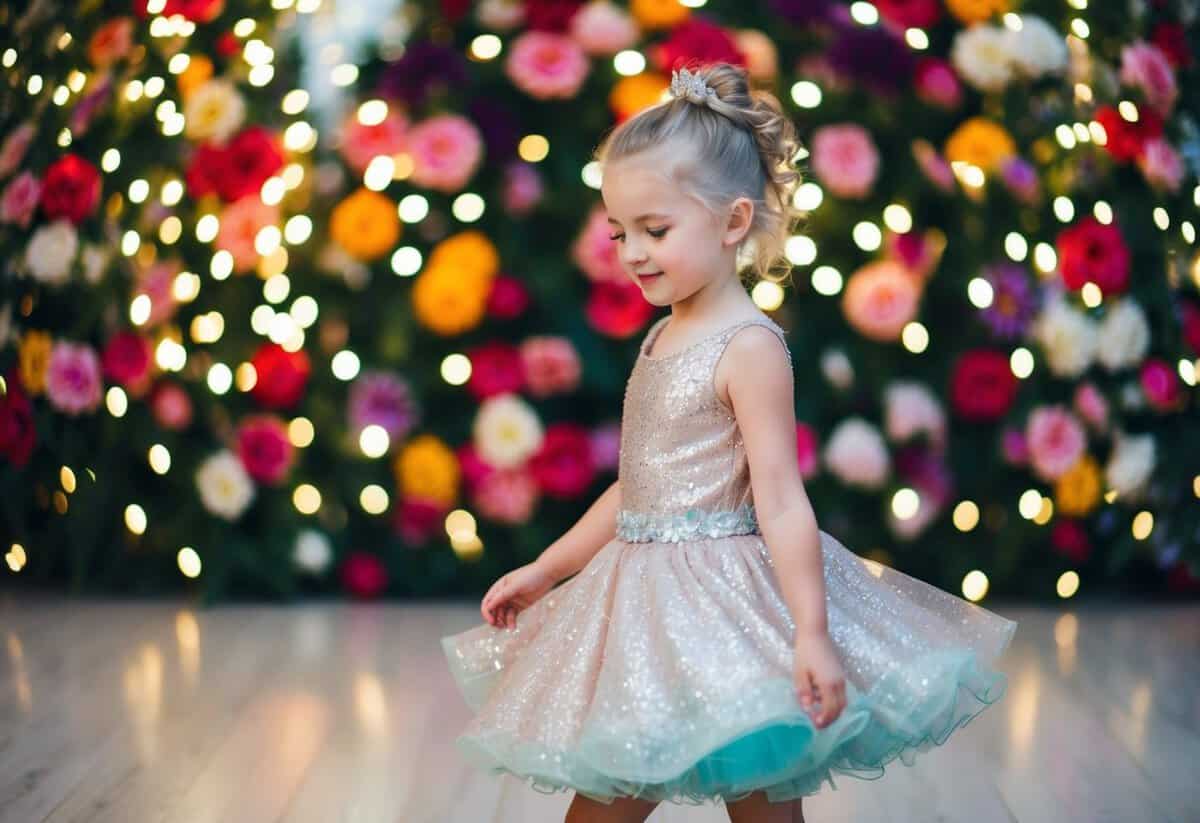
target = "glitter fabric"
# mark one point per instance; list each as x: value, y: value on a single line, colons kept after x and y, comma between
x: 663, y: 669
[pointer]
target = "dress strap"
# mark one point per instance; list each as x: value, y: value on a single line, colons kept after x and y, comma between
x: 728, y: 334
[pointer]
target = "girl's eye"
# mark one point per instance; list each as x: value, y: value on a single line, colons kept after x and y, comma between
x: 656, y: 232
x: 615, y: 236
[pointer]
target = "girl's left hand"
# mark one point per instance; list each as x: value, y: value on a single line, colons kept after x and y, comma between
x: 817, y: 672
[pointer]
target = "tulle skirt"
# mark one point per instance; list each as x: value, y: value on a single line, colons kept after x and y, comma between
x: 664, y: 671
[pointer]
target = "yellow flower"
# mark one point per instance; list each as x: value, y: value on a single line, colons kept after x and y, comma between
x: 197, y: 73
x: 632, y: 94
x: 468, y: 253
x: 447, y: 302
x: 1077, y: 491
x: 659, y: 14
x: 33, y: 357
x: 976, y: 11
x: 365, y: 224
x: 980, y: 142
x: 427, y: 467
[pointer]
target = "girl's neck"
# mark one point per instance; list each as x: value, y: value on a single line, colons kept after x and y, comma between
x: 719, y: 301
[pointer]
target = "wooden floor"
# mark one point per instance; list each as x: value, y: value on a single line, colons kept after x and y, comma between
x: 114, y: 712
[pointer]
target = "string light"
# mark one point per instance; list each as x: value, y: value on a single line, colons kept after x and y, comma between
x: 827, y: 280
x: 915, y: 337
x: 966, y: 516
x: 629, y: 63
x: 806, y: 94
x: 486, y: 47
x: 1067, y: 584
x: 1016, y: 247
x: 975, y: 585
x: 456, y: 369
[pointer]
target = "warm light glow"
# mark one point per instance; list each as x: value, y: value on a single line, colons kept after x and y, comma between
x: 160, y: 459
x: 116, y: 401
x: 1044, y: 257
x: 1030, y: 504
x: 1064, y: 209
x: 917, y: 39
x: 897, y: 218
x: 189, y: 562
x: 975, y: 585
x: 1016, y: 247
x: 1021, y: 362
x: 301, y: 432
x: 1143, y: 525
x: 915, y: 337
x: 806, y: 94
x: 629, y: 63
x: 220, y: 378
x: 767, y: 295
x: 980, y: 293
x: 864, y: 13
x: 808, y: 196
x: 306, y: 498
x: 1067, y: 585
x: 827, y: 280
x: 66, y: 478
x: 966, y: 516
x: 374, y: 499
x: 374, y: 441
x: 486, y: 47
x: 867, y: 236
x: 533, y: 148
x: 1161, y: 218
x: 467, y: 207
x: 905, y: 503
x: 456, y: 369
x: 345, y: 365
x: 460, y: 523
x: 591, y: 174
x: 800, y: 250
x: 135, y: 518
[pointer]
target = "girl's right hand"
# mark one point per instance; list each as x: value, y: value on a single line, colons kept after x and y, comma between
x: 515, y: 591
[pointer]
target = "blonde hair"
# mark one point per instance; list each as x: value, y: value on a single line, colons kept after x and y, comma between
x: 740, y: 144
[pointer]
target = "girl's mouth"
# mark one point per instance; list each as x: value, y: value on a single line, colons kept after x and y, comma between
x: 648, y: 278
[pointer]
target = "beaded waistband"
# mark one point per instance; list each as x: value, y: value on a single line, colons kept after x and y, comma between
x: 694, y: 524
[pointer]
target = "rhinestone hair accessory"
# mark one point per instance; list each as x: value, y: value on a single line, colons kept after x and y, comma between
x: 691, y: 87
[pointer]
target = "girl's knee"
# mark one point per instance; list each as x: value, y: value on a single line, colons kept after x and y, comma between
x: 621, y: 810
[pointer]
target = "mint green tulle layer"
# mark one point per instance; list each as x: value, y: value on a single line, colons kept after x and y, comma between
x: 778, y: 750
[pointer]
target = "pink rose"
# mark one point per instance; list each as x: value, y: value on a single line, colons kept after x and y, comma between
x: 911, y: 409
x: 1056, y: 441
x: 507, y: 496
x: 606, y: 446
x: 364, y: 575
x: 73, y: 378
x: 496, y: 368
x: 880, y: 299
x: 171, y: 406
x: 264, y: 448
x: 1161, y: 165
x: 360, y: 144
x: 552, y: 365
x: 563, y: 466
x: 602, y: 28
x: 937, y: 84
x: 523, y: 188
x: 446, y: 150
x: 508, y: 298
x: 1091, y: 405
x: 127, y: 359
x: 241, y: 221
x: 844, y: 158
x: 16, y: 144
x: 807, y: 450
x: 546, y: 65
x: 1160, y: 384
x: 20, y: 199
x: 919, y: 251
x: 158, y: 283
x: 1146, y: 68
x: 595, y: 252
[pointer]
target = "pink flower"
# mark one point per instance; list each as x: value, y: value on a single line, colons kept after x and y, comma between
x: 171, y: 406
x: 762, y: 58
x: 360, y: 144
x: 880, y: 299
x: 1146, y: 68
x: 1160, y: 384
x: 127, y: 359
x: 552, y: 365
x: 508, y: 298
x: 1161, y: 165
x: 807, y: 450
x: 844, y: 158
x: 496, y: 368
x: 602, y: 28
x: 911, y: 409
x: 446, y: 150
x: 364, y: 575
x: 73, y: 378
x: 1091, y: 405
x: 1056, y: 440
x: 563, y: 465
x: 20, y: 199
x: 111, y: 42
x: 417, y: 519
x: 933, y: 166
x: 264, y: 448
x: 158, y: 283
x: 14, y: 148
x: 937, y: 84
x: 471, y: 465
x: 241, y: 222
x: 606, y: 446
x: 595, y: 252
x: 919, y: 251
x: 546, y: 65
x: 522, y: 188
x: 507, y: 496
x: 1014, y: 447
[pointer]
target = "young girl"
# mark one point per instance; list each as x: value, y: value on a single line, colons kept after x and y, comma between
x: 715, y: 644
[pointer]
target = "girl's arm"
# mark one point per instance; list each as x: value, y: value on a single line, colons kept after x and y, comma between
x: 571, y: 552
x: 760, y: 393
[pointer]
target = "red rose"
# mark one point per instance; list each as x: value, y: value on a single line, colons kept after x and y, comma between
x: 198, y: 11
x: 250, y: 158
x: 982, y: 386
x: 473, y: 467
x: 282, y: 376
x: 1191, y: 326
x: 205, y: 169
x: 617, y: 309
x: 563, y: 466
x: 126, y: 359
x: 1160, y: 385
x: 171, y: 406
x: 364, y: 575
x: 697, y: 41
x: 1125, y: 141
x: 264, y: 449
x: 228, y: 44
x: 508, y: 298
x: 17, y: 434
x: 1090, y: 251
x: 550, y: 15
x: 70, y: 189
x: 496, y: 368
x: 1172, y: 40
x: 1070, y: 539
x: 920, y: 14
x: 417, y: 519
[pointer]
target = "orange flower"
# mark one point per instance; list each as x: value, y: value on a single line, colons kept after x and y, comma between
x: 632, y: 94
x: 977, y: 11
x: 467, y: 253
x: 33, y: 358
x: 365, y: 224
x: 659, y: 14
x: 1077, y: 491
x: 447, y: 302
x: 197, y: 73
x: 980, y: 142
x: 427, y: 467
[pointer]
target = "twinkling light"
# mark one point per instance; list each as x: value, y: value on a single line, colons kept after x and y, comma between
x: 1187, y: 371
x: 406, y: 261
x: 826, y: 280
x: 373, y: 499
x: 110, y: 161
x: 1081, y: 132
x: 486, y: 47
x: 372, y: 112
x: 1143, y: 525
x: 16, y: 557
x: 807, y: 196
x: 1128, y: 110
x: 116, y: 401
x: 1030, y: 503
x: 533, y: 148
x: 160, y: 458
x: 1188, y: 231
x: 591, y: 174
x: 1015, y: 246
x: 246, y: 377
x: 864, y: 13
x: 139, y: 309
x: 345, y: 365
x: 917, y: 39
x: 300, y: 137
x: 66, y: 477
x: 467, y: 207
x: 295, y: 101
x: 267, y: 240
x: 135, y: 518
x: 867, y: 235
x: 260, y: 319
x: 207, y: 228
x: 460, y: 523
x: 221, y: 266
x: 170, y: 356
x: 1044, y: 257
x: 966, y: 516
x: 1091, y: 295
x: 800, y: 250
x: 1064, y: 209
x: 304, y: 311
x: 189, y: 562
x: 766, y: 295
x: 897, y: 218
x: 629, y: 63
x: 344, y: 74
x: 915, y: 337
x: 374, y: 440
x: 1067, y: 584
x: 980, y: 292
x: 975, y: 585
x: 1021, y: 362
x: 283, y: 329
x: 131, y: 241
x: 412, y: 208
x: 456, y: 369
x: 276, y: 288
x: 1103, y: 212
x: 379, y: 173
x: 220, y: 378
x: 301, y: 432
x: 905, y: 503
x: 307, y: 499
x: 1161, y: 218
x: 806, y: 94
x: 1012, y: 22
x: 170, y: 230
x: 1080, y: 28
x: 1065, y: 136
x: 272, y: 191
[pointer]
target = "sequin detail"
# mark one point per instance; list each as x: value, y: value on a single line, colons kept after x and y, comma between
x: 693, y: 524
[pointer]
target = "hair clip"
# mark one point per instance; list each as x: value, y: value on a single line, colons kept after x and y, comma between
x: 690, y: 86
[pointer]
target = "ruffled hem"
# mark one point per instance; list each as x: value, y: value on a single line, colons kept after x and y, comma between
x: 780, y: 751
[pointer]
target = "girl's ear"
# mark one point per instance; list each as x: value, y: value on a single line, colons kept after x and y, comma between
x: 741, y: 216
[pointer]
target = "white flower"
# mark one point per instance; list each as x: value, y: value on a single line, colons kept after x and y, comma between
x: 225, y: 488
x: 214, y: 111
x: 95, y: 260
x: 1130, y: 464
x: 857, y: 455
x: 501, y: 15
x: 1068, y: 338
x: 836, y: 367
x: 1037, y: 49
x: 980, y: 55
x: 51, y: 251
x: 910, y: 408
x: 1124, y: 335
x: 507, y: 431
x: 312, y: 552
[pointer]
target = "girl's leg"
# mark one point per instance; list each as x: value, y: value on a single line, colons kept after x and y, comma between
x: 756, y: 809
x: 621, y: 810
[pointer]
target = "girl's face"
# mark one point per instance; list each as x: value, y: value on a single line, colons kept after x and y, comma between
x: 668, y: 243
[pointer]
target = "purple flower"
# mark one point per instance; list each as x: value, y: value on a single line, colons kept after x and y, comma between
x: 872, y: 56
x: 802, y: 12
x: 499, y: 127
x: 1014, y: 300
x: 382, y: 399
x: 925, y: 471
x: 424, y: 69
x: 1021, y: 178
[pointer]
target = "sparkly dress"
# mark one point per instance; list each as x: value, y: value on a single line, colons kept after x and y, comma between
x: 663, y: 669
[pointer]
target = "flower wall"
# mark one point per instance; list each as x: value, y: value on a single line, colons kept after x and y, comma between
x: 249, y: 355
